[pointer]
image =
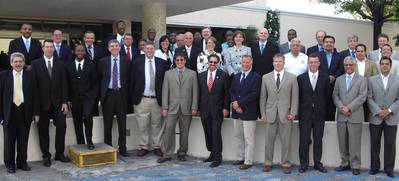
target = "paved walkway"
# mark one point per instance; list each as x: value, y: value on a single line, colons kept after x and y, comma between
x: 134, y: 168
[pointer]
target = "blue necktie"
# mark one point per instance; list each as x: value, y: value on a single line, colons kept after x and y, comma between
x: 348, y: 82
x: 353, y: 54
x: 27, y: 45
x: 262, y: 47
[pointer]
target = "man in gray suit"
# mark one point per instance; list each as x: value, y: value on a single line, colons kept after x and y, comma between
x: 350, y: 92
x: 286, y: 47
x: 179, y: 103
x: 376, y: 55
x: 278, y: 107
x: 383, y: 102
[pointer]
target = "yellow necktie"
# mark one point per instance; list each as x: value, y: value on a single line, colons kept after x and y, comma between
x: 17, y: 97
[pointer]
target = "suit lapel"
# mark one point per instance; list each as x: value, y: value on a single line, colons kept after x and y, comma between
x: 309, y: 83
x: 354, y: 79
x: 22, y: 44
x: 390, y: 81
x: 11, y: 84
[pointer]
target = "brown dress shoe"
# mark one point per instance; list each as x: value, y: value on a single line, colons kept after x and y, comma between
x: 286, y: 170
x: 267, y: 168
x: 245, y: 166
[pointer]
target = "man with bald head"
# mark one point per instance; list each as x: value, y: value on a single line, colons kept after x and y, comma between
x: 190, y: 51
x: 263, y: 52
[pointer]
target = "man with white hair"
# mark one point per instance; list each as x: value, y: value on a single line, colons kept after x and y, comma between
x: 296, y: 62
x: 352, y: 41
x: 190, y: 51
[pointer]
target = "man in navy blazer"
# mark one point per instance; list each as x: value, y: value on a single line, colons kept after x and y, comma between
x: 62, y: 50
x: 244, y: 96
x: 146, y: 89
x: 331, y: 63
x: 30, y: 47
x: 190, y: 51
x: 127, y: 49
x: 319, y: 46
x: 314, y: 93
x: 263, y: 61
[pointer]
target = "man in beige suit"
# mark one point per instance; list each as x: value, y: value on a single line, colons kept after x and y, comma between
x: 278, y: 107
x: 179, y: 103
x: 376, y: 55
x: 350, y: 92
x: 364, y: 66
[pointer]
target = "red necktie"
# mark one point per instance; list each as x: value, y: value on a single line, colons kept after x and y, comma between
x: 128, y: 53
x: 210, y: 82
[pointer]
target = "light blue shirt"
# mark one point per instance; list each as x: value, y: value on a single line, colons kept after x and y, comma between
x: 329, y: 58
x: 119, y: 71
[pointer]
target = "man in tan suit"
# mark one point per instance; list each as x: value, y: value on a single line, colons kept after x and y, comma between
x: 278, y: 107
x: 364, y: 66
x: 179, y: 103
x: 350, y: 92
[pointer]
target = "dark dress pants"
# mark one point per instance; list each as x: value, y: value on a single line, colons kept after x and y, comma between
x: 114, y: 105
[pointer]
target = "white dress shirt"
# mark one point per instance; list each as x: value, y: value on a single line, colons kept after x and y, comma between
x: 281, y: 75
x: 81, y: 64
x: 296, y: 65
x: 385, y: 80
x: 361, y: 66
x: 188, y: 49
x: 119, y: 37
x: 147, y: 91
x: 14, y: 73
x: 49, y: 59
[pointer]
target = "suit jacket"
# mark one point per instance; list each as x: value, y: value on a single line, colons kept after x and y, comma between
x: 98, y: 54
x: 373, y: 55
x: 65, y: 53
x: 283, y: 100
x: 285, y: 48
x: 104, y: 77
x: 82, y: 85
x: 379, y: 99
x: 263, y: 63
x: 312, y: 49
x: 370, y: 69
x: 52, y: 90
x: 137, y: 79
x: 353, y: 98
x: 213, y: 102
x: 336, y: 66
x: 311, y: 101
x: 246, y: 93
x: 31, y: 99
x: 183, y: 96
x: 192, y: 60
x: 133, y: 50
x: 345, y: 53
x: 35, y: 49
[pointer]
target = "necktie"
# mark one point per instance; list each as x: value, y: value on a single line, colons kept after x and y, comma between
x: 242, y: 77
x: 353, y: 54
x: 115, y: 75
x: 348, y: 82
x: 17, y: 96
x: 210, y: 82
x: 321, y: 49
x: 188, y: 53
x: 49, y: 68
x: 180, y: 76
x: 262, y: 47
x: 79, y: 68
x: 27, y: 45
x: 128, y: 53
x: 313, y: 82
x: 278, y: 80
x: 152, y: 76
x: 90, y: 52
x: 58, y: 48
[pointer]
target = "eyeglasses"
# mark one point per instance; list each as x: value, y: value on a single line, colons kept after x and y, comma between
x: 348, y: 65
x: 213, y: 62
x: 180, y: 60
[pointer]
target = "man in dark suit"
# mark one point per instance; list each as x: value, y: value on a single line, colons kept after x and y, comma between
x: 352, y: 41
x: 49, y: 74
x: 30, y: 47
x: 319, y: 46
x: 214, y: 105
x: 120, y: 27
x: 113, y: 81
x: 19, y: 106
x: 206, y: 32
x: 331, y: 63
x: 127, y: 49
x: 190, y: 51
x: 244, y: 96
x: 286, y: 47
x: 83, y: 88
x: 146, y: 88
x: 263, y: 52
x: 314, y: 92
x: 62, y: 50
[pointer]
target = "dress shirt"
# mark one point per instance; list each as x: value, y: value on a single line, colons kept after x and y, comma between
x: 213, y: 76
x: 14, y: 73
x: 296, y: 65
x: 30, y: 40
x: 118, y: 60
x: 281, y: 75
x: 385, y: 80
x: 361, y: 66
x: 119, y: 37
x: 147, y: 91
x: 49, y: 59
x: 244, y: 74
x: 81, y: 64
x: 204, y: 45
x: 262, y: 43
x: 311, y: 75
x: 130, y: 51
x: 188, y: 50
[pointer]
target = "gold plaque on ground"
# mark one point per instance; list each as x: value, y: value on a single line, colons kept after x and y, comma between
x: 101, y: 155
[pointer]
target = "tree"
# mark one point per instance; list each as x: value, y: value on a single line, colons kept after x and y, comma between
x: 377, y: 11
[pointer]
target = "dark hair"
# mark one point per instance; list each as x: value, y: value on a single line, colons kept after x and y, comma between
x: 163, y: 38
x: 291, y: 30
x: 237, y: 33
x: 361, y: 45
x: 119, y: 21
x: 386, y: 58
x: 214, y: 55
x: 390, y: 47
x: 47, y: 41
x: 328, y: 36
x: 383, y: 35
x: 314, y: 55
x: 180, y: 54
x: 25, y: 24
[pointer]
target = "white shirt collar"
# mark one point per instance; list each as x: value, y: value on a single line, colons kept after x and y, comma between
x: 112, y: 57
x: 188, y: 47
x: 15, y: 72
x: 81, y: 62
x: 311, y: 73
x: 264, y: 43
x: 48, y: 59
x: 23, y: 38
x: 352, y: 75
x: 383, y: 77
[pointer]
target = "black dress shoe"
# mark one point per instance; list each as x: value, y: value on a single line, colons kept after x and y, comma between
x: 24, y: 167
x: 142, y: 152
x: 123, y: 152
x: 90, y: 146
x: 47, y: 162
x: 245, y: 167
x: 238, y: 162
x: 10, y: 169
x: 320, y: 169
x: 389, y: 174
x: 373, y: 172
x: 303, y: 169
x: 215, y: 164
x: 355, y: 171
x: 343, y: 168
x: 209, y: 159
x: 158, y: 152
x: 182, y: 157
x: 163, y: 159
x: 62, y: 158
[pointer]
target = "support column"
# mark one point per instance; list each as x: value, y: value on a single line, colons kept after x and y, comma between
x: 154, y: 16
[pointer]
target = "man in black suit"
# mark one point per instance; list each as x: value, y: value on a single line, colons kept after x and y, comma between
x: 146, y: 87
x: 127, y: 49
x: 314, y: 92
x: 206, y: 32
x: 30, y: 47
x: 19, y: 106
x: 190, y: 51
x: 352, y: 41
x: 49, y: 74
x: 214, y: 105
x: 113, y: 79
x: 62, y: 50
x: 83, y: 88
x: 120, y: 27
x: 263, y: 52
x: 319, y: 46
x: 331, y: 63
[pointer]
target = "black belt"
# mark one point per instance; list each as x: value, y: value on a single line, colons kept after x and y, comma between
x: 150, y: 97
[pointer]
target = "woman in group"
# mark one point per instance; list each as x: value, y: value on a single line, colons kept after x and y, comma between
x: 232, y: 56
x: 202, y: 60
x: 164, y: 50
